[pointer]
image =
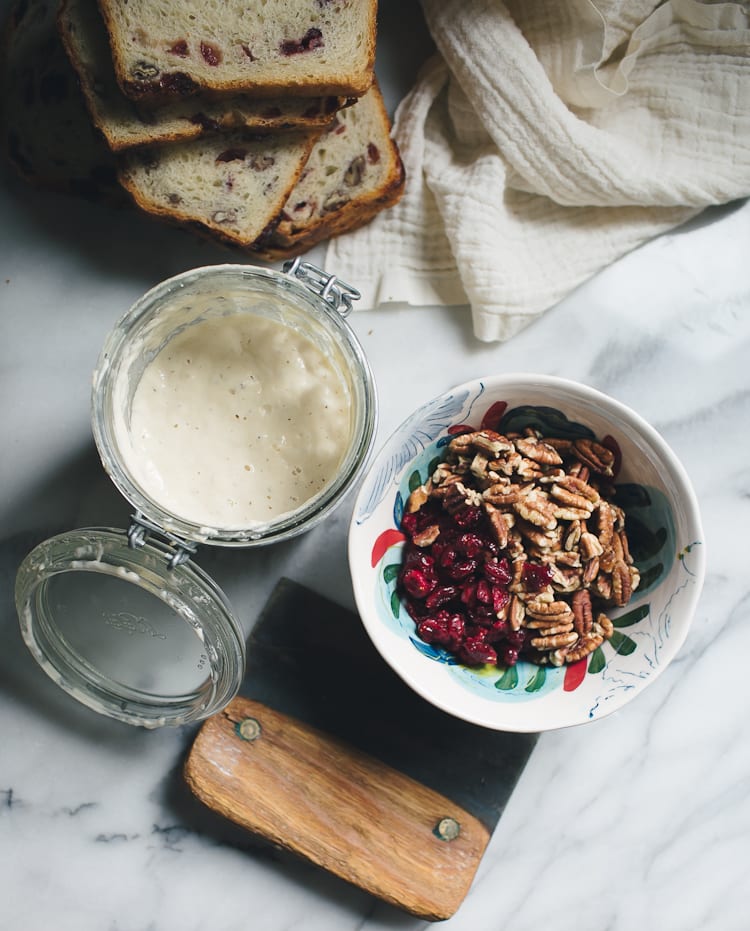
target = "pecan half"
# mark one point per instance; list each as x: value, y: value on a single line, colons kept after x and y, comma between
x: 417, y: 498
x: 622, y: 587
x: 597, y: 457
x: 554, y: 642
x: 585, y: 645
x: 502, y: 494
x: 516, y: 613
x: 535, y: 507
x: 500, y: 524
x: 583, y: 613
x: 427, y: 536
x: 537, y: 450
x: 552, y: 610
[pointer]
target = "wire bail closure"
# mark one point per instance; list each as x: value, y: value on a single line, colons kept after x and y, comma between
x: 334, y: 292
x: 139, y: 530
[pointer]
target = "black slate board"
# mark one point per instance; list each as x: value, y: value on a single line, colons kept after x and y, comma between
x: 312, y: 659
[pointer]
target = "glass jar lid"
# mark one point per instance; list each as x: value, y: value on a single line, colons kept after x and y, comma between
x: 130, y: 627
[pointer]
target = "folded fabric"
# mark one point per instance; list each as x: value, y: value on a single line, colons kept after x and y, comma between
x: 546, y: 139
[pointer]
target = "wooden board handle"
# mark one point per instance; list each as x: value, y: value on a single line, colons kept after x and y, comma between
x: 338, y: 807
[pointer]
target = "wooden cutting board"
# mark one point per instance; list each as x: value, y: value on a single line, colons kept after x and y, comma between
x: 327, y: 753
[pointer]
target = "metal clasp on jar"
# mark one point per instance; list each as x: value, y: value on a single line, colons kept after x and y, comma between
x: 139, y: 530
x: 334, y: 292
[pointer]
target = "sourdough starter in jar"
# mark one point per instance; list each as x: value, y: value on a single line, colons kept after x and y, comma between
x: 237, y: 420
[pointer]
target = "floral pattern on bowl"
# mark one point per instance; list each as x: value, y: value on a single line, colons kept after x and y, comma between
x: 663, y: 528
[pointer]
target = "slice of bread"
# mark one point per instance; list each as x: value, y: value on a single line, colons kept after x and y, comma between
x: 354, y: 171
x: 230, y: 186
x: 45, y: 129
x: 175, y: 48
x: 124, y: 123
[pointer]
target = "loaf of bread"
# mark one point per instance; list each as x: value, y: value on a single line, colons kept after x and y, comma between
x: 176, y: 48
x: 124, y: 122
x: 354, y: 171
x: 45, y: 128
x: 229, y: 186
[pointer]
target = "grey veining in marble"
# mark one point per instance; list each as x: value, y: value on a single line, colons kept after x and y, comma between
x: 639, y: 821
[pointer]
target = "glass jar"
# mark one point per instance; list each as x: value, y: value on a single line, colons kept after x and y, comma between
x: 124, y: 620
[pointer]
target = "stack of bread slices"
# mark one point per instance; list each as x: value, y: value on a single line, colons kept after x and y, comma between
x: 258, y: 123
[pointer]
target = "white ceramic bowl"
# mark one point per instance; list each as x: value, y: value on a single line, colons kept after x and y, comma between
x: 662, y: 513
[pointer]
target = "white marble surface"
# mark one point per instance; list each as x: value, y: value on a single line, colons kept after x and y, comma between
x: 640, y: 820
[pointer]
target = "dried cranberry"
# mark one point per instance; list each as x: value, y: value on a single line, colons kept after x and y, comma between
x: 232, y: 155
x: 455, y: 628
x: 469, y: 594
x: 476, y: 652
x: 516, y: 638
x: 447, y: 557
x: 535, y: 577
x: 441, y: 595
x: 416, y: 558
x: 498, y: 631
x: 445, y: 541
x: 500, y: 598
x: 312, y: 39
x: 470, y: 544
x: 509, y: 656
x: 498, y: 571
x: 481, y: 614
x: 373, y: 153
x: 460, y: 569
x: 417, y: 609
x: 302, y: 210
x: 211, y: 54
x: 483, y: 592
x: 431, y: 631
x: 180, y: 48
x: 417, y: 583
x: 467, y: 516
x: 409, y: 524
x: 177, y: 82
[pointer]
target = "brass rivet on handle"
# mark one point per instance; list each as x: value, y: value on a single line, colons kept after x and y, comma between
x: 247, y: 729
x: 447, y: 829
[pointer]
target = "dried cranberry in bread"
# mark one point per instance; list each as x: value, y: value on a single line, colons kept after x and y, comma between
x: 125, y: 123
x: 45, y: 129
x: 354, y: 171
x: 230, y: 186
x: 175, y: 48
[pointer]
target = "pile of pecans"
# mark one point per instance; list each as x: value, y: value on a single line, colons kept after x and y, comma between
x: 515, y: 548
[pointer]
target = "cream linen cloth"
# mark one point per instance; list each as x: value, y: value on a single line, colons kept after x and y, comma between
x: 545, y: 139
